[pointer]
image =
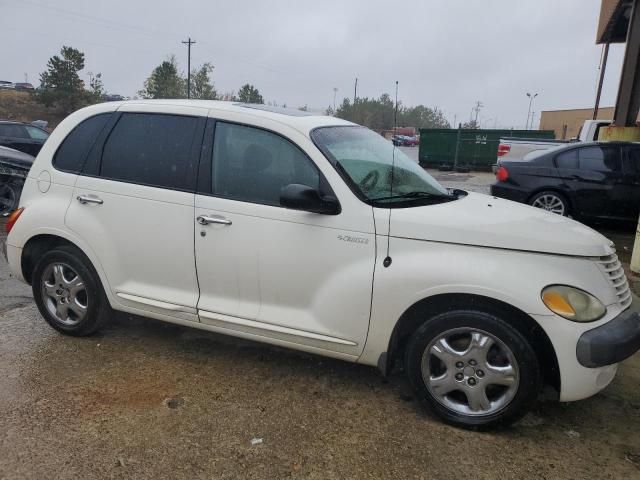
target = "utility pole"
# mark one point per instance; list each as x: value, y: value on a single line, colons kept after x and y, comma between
x: 355, y: 91
x: 477, y: 109
x: 531, y: 97
x: 335, y: 91
x: 188, y: 43
x: 603, y: 69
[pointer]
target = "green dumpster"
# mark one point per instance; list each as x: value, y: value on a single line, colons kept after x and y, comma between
x: 478, y: 149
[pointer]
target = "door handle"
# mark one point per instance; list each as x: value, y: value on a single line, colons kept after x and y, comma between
x: 84, y: 199
x: 206, y: 220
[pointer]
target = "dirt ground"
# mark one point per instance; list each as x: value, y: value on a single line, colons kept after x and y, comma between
x: 145, y: 399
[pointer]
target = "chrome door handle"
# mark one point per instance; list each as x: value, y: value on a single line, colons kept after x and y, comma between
x: 206, y: 220
x: 84, y: 199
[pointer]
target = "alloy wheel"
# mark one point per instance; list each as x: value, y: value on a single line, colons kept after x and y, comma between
x: 64, y: 293
x: 551, y: 203
x: 470, y: 371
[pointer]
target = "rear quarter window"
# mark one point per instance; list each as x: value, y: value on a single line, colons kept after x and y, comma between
x: 567, y: 159
x: 73, y: 150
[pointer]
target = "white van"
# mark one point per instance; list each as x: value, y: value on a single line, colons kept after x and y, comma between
x: 313, y: 233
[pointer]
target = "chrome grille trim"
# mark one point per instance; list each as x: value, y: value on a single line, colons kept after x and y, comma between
x: 613, y: 271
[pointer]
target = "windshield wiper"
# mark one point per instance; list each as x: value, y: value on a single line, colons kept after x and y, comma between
x: 435, y: 196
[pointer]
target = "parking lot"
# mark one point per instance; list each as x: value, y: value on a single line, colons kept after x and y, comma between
x: 144, y: 399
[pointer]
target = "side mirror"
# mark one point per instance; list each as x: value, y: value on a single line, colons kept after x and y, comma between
x: 302, y: 197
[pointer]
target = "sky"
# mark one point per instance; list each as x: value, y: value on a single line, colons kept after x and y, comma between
x: 444, y: 53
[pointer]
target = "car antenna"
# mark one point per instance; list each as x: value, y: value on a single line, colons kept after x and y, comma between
x: 387, y: 261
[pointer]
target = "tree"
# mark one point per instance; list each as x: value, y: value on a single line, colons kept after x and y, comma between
x: 96, y: 88
x: 423, y: 117
x: 249, y: 94
x: 61, y: 85
x: 201, y: 84
x: 329, y: 111
x: 471, y: 125
x: 164, y: 81
x: 380, y: 114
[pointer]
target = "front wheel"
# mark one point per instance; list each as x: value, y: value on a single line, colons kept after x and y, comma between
x: 472, y: 369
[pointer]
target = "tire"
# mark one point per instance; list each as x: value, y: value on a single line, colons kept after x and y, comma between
x: 551, y: 201
x: 68, y: 292
x: 450, y: 385
x: 9, y: 198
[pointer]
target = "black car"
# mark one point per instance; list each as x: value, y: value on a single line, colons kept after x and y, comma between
x: 594, y: 180
x: 14, y: 166
x: 22, y: 136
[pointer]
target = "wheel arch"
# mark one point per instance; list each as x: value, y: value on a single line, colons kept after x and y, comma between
x: 417, y: 313
x: 39, y: 244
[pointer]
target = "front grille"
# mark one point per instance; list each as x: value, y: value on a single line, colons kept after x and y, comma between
x: 612, y: 269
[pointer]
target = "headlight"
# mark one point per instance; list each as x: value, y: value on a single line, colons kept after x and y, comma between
x: 572, y: 303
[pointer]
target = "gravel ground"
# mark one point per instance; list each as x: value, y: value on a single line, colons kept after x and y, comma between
x: 145, y: 399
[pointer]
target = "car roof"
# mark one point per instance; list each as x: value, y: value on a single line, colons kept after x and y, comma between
x: 300, y: 120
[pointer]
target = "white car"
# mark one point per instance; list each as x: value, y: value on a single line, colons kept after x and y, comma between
x: 314, y: 233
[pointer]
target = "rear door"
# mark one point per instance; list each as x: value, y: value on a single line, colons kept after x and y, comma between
x: 631, y: 175
x: 600, y: 179
x: 134, y: 205
x: 590, y: 175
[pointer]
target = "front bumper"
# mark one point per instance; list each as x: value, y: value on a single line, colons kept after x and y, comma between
x: 610, y: 343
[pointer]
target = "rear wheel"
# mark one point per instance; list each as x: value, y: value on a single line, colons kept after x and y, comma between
x: 68, y: 292
x: 472, y: 369
x: 551, y: 201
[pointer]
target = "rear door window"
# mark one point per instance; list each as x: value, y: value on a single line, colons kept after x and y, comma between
x: 151, y: 149
x: 600, y: 159
x: 71, y: 154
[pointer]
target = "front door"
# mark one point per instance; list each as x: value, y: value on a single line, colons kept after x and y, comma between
x: 134, y: 206
x: 294, y: 278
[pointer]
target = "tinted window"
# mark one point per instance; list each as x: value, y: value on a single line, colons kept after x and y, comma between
x: 633, y: 160
x: 567, y: 159
x: 72, y: 152
x: 600, y: 159
x: 12, y: 130
x: 150, y: 149
x: 254, y: 165
x: 37, y: 134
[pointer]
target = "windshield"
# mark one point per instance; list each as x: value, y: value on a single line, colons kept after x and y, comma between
x: 365, y: 158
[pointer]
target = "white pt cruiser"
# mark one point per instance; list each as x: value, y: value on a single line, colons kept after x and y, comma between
x: 313, y: 233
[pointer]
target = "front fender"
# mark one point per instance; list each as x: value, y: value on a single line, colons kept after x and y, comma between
x: 422, y: 269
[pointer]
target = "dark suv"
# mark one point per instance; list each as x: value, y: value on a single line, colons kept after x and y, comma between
x: 22, y: 136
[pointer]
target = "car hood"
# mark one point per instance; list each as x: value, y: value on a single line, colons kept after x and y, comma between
x: 15, y: 158
x: 486, y: 221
